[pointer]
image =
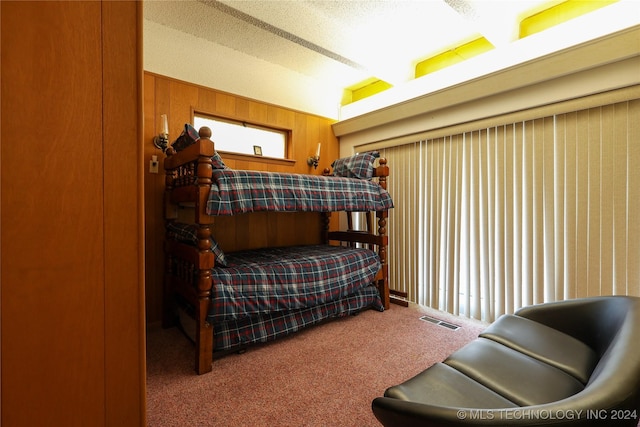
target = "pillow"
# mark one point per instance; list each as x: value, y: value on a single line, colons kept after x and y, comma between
x: 217, y: 162
x: 188, y: 137
x: 188, y: 233
x: 357, y: 166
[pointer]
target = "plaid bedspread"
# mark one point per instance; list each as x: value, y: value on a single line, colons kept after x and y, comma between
x: 274, y: 325
x: 239, y: 191
x: 282, y: 279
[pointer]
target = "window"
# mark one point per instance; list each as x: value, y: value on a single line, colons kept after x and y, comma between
x: 244, y: 138
x: 520, y: 210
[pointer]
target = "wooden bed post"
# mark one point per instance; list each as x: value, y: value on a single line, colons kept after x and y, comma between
x: 170, y: 214
x: 382, y: 252
x: 326, y: 216
x: 204, y: 330
x: 326, y: 220
x: 382, y: 232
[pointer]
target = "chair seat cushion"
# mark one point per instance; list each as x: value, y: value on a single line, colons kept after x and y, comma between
x: 515, y: 376
x: 443, y: 385
x: 544, y: 343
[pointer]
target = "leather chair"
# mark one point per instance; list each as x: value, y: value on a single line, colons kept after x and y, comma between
x: 566, y: 363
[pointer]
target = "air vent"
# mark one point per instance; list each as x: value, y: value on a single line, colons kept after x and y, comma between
x: 440, y: 323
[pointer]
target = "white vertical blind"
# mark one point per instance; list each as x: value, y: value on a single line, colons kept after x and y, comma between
x: 490, y: 220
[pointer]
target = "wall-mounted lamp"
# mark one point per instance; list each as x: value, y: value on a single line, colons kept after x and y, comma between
x: 313, y: 160
x: 162, y: 139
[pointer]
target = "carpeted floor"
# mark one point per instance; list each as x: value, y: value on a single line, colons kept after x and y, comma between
x: 324, y: 376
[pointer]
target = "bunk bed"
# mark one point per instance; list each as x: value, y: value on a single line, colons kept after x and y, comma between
x: 227, y: 301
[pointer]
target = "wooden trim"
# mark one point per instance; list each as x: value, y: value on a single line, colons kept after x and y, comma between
x: 258, y: 159
x: 125, y: 374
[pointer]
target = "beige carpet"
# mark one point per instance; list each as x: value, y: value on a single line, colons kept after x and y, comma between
x: 326, y: 375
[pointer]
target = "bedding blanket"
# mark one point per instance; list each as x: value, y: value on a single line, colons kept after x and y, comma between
x: 268, y: 327
x: 283, y: 279
x: 239, y: 191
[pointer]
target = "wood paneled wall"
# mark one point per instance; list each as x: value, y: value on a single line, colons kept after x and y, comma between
x: 178, y: 99
x: 72, y: 277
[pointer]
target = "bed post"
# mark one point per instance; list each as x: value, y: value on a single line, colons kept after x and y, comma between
x: 204, y: 330
x: 326, y: 216
x: 206, y: 259
x: 170, y: 214
x: 382, y: 232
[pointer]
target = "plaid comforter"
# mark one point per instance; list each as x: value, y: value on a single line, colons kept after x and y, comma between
x: 268, y: 327
x: 239, y: 191
x: 282, y: 279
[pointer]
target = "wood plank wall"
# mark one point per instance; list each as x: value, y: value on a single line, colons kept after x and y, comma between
x: 178, y: 99
x: 72, y: 308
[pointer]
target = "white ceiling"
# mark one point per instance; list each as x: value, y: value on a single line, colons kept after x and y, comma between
x: 302, y: 53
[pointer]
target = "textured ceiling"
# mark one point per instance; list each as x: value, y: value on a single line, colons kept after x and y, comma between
x: 314, y: 49
x: 344, y: 41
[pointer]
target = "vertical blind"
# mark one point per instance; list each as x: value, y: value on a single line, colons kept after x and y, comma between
x: 488, y: 221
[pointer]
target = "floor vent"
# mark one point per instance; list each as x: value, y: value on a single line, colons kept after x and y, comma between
x: 440, y: 323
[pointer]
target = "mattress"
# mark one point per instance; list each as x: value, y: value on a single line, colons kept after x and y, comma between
x: 267, y: 327
x: 240, y: 191
x: 268, y: 280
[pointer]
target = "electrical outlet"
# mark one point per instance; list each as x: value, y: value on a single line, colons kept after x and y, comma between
x: 153, y: 164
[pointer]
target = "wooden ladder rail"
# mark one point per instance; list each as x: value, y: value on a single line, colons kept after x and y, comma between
x: 190, y: 181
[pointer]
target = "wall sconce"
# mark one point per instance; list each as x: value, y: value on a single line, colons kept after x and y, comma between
x: 313, y: 160
x: 162, y: 139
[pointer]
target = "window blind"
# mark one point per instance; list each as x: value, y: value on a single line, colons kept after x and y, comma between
x: 489, y: 220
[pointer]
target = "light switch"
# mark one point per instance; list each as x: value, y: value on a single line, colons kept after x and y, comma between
x: 153, y: 164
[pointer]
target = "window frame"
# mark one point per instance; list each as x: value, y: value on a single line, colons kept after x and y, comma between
x: 288, y: 133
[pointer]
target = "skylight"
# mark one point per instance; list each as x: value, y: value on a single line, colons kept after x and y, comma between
x: 613, y: 17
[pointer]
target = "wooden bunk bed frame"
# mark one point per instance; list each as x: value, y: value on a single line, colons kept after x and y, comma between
x: 188, y: 181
